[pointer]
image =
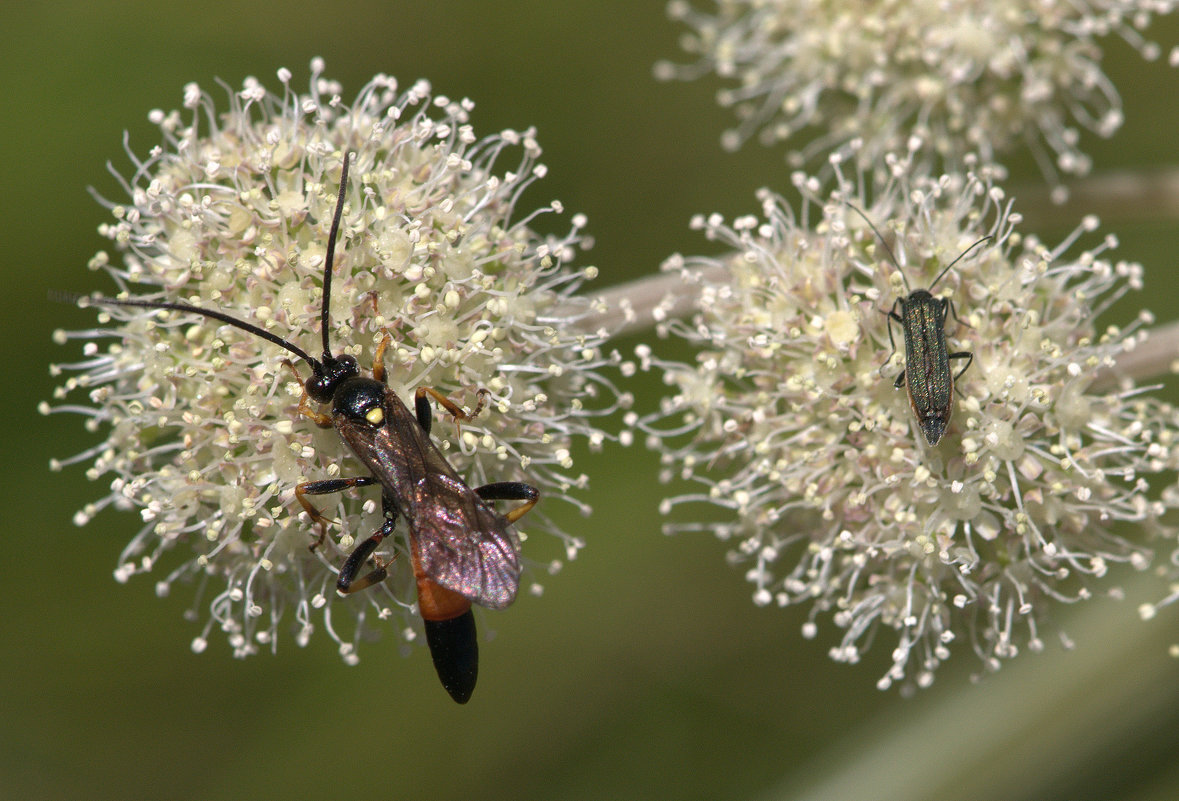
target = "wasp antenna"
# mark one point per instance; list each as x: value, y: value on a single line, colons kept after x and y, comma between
x: 210, y: 313
x: 887, y: 249
x: 331, y: 249
x: 961, y: 256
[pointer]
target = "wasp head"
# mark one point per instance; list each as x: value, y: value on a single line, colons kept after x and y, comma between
x: 328, y: 374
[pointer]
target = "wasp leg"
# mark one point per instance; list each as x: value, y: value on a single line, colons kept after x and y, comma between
x: 511, y: 491
x: 326, y: 488
x: 319, y: 418
x: 422, y: 406
x: 379, y: 357
x: 347, y: 582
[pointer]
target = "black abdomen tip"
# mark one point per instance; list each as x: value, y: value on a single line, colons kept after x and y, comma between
x: 454, y: 647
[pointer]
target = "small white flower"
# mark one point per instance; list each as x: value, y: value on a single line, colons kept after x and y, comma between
x: 789, y: 421
x: 201, y: 432
x: 948, y: 77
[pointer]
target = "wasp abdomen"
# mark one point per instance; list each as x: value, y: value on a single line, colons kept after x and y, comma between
x: 454, y: 648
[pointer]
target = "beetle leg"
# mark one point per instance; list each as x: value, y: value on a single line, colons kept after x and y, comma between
x: 962, y: 354
x: 950, y: 305
x: 511, y: 491
x: 422, y: 406
x: 892, y: 315
x: 326, y: 488
x: 347, y: 582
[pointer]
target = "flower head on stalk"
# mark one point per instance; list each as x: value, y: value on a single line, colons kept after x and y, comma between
x: 201, y: 430
x: 812, y: 466
x: 962, y: 76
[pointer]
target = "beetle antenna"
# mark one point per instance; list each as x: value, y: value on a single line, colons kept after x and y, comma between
x: 331, y: 249
x: 887, y: 249
x: 211, y: 313
x: 961, y: 256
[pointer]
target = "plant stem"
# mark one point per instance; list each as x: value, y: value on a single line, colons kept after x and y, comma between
x: 641, y: 304
x: 1117, y: 197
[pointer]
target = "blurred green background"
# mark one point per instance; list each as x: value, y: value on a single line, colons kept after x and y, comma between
x: 644, y: 671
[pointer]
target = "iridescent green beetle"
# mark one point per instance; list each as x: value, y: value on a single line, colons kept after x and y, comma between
x: 927, y: 374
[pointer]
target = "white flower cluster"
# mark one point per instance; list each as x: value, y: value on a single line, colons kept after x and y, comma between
x: 789, y: 422
x: 201, y: 434
x: 961, y: 76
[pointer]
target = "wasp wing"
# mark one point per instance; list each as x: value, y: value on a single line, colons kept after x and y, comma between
x: 462, y: 544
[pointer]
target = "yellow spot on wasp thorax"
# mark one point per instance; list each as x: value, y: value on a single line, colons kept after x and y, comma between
x: 375, y: 415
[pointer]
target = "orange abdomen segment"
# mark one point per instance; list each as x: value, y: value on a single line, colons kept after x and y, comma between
x: 434, y: 601
x: 439, y: 603
x: 450, y: 633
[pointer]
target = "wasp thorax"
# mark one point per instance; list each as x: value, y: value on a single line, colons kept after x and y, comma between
x: 361, y: 400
